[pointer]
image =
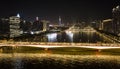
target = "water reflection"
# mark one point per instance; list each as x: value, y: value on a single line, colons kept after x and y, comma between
x: 52, y: 37
x: 76, y: 37
x: 56, y: 61
x: 70, y: 35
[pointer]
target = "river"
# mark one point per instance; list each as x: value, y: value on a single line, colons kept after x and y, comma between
x: 57, y: 61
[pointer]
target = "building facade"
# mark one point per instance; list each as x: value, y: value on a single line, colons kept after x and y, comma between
x: 116, y: 19
x: 107, y: 26
x: 14, y: 23
x: 10, y: 26
x: 112, y: 25
x: 45, y: 25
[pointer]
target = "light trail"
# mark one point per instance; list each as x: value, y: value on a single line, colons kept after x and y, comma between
x: 64, y: 46
x: 60, y: 45
x: 99, y: 47
x: 92, y: 47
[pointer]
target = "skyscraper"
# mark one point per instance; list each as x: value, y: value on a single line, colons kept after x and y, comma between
x: 10, y: 26
x: 60, y: 21
x: 116, y: 19
x: 14, y: 23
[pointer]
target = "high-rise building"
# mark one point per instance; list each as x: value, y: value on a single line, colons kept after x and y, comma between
x: 112, y: 25
x: 45, y: 25
x: 14, y: 23
x: 10, y: 26
x: 60, y: 21
x: 116, y: 19
x: 107, y: 26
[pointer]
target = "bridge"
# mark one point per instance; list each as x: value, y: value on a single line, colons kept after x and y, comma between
x: 58, y: 45
x: 78, y: 29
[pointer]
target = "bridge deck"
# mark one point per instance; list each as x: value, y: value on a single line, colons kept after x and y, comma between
x: 56, y: 45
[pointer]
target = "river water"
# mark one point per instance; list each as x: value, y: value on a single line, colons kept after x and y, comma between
x: 57, y: 61
x: 76, y: 37
x: 85, y: 35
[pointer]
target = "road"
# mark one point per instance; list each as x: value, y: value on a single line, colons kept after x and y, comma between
x: 57, y: 45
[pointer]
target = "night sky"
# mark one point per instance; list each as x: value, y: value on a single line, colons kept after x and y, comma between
x: 69, y: 10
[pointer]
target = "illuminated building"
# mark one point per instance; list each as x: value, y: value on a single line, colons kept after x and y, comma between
x: 10, y: 26
x: 112, y: 25
x: 60, y: 21
x: 45, y: 25
x: 107, y: 26
x: 116, y: 19
x: 14, y: 23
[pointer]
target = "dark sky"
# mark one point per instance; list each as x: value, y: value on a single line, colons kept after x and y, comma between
x: 52, y: 9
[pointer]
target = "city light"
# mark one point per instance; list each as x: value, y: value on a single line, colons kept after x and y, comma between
x: 18, y: 15
x: 59, y: 34
x: 32, y: 32
x: 52, y: 37
x: 70, y: 35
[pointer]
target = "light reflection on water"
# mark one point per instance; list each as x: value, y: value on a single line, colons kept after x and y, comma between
x: 78, y: 37
x: 57, y: 61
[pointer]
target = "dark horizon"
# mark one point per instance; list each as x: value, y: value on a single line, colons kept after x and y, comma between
x: 51, y: 10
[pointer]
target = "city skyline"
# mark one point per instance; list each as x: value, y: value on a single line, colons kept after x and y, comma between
x: 51, y: 10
